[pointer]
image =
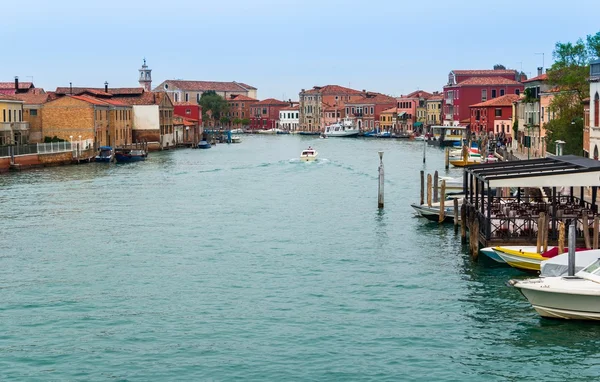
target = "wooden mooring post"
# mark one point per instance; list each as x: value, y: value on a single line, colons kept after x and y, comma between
x: 435, y: 186
x: 561, y: 237
x: 546, y: 229
x: 422, y: 188
x: 442, y: 200
x: 586, y: 229
x: 447, y: 160
x: 596, y: 227
x: 540, y: 232
x: 463, y: 224
x: 429, y: 190
x: 381, y: 180
x: 456, y: 211
x: 474, y: 236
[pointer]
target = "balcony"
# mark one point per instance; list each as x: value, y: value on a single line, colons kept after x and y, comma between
x: 14, y: 126
x: 449, y: 101
x: 449, y: 116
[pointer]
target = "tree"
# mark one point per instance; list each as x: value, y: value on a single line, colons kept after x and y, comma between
x: 213, y: 106
x: 224, y: 120
x: 245, y: 121
x: 237, y: 121
x: 568, y: 75
x: 499, y: 67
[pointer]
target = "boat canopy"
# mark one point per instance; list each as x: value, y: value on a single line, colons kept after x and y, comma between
x: 105, y: 148
x: 554, y: 171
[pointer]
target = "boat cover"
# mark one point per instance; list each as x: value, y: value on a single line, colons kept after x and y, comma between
x: 559, y: 265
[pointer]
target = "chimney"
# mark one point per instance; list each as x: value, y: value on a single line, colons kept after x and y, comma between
x: 106, y: 86
x: 16, y: 84
x: 70, y: 88
x: 540, y: 71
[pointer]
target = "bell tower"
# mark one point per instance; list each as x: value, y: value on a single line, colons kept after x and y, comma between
x: 146, y: 77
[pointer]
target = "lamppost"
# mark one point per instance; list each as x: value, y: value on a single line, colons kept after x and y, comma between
x: 528, y: 140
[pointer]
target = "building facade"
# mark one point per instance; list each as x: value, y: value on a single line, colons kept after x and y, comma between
x: 469, y: 87
x: 191, y: 91
x: 493, y: 117
x: 33, y: 102
x: 434, y: 109
x: 313, y: 102
x: 289, y: 118
x: 366, y: 111
x: 594, y: 113
x: 13, y: 129
x: 264, y: 115
x: 239, y: 109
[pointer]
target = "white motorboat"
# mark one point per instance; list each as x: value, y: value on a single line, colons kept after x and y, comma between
x: 236, y: 139
x: 567, y: 297
x: 309, y: 155
x: 558, y: 265
x: 343, y: 128
x: 237, y: 131
x: 433, y: 213
x: 269, y: 131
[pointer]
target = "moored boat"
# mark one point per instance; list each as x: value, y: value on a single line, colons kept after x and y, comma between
x: 125, y: 155
x: 236, y: 139
x: 105, y: 154
x: 567, y: 297
x: 343, y: 128
x: 204, y: 145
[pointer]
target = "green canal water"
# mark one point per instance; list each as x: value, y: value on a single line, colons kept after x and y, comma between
x: 242, y: 263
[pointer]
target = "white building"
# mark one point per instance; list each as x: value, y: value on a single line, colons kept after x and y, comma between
x: 595, y: 109
x: 289, y: 118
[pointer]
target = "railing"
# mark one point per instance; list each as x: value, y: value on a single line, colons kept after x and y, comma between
x: 14, y: 126
x: 54, y: 147
x: 6, y: 151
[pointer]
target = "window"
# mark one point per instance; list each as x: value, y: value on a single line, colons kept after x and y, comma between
x: 20, y: 115
x: 187, y: 97
x: 498, y: 112
x: 197, y: 97
x: 477, y: 115
x: 4, y: 115
x: 493, y: 93
x: 264, y: 111
x: 33, y: 112
x: 372, y: 110
x: 188, y: 111
x: 501, y: 92
x: 483, y: 95
x: 9, y: 116
x: 517, y: 91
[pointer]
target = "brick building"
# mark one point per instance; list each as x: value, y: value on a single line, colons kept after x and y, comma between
x: 366, y: 111
x: 493, y: 116
x: 33, y: 102
x: 264, y: 115
x: 313, y: 102
x: 469, y: 87
x: 239, y: 108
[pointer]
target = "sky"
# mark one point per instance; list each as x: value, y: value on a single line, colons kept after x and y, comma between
x: 283, y: 46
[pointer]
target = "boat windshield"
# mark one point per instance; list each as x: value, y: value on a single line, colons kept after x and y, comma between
x: 591, y: 272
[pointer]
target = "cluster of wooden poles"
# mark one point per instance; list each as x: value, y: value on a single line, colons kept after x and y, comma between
x: 432, y: 194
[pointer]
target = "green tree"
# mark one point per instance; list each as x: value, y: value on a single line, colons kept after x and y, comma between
x: 568, y: 75
x: 213, y: 106
x: 237, y: 121
x: 246, y: 122
x: 224, y: 120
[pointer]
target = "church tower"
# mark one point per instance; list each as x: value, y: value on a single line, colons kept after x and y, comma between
x: 146, y: 77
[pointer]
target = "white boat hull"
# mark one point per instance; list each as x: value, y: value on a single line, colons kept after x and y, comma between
x: 345, y: 133
x: 552, y: 302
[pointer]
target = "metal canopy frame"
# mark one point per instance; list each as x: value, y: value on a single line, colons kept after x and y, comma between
x: 568, y: 170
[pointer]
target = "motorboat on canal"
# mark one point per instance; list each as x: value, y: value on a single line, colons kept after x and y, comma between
x: 309, y: 155
x: 343, y: 128
x: 433, y: 212
x: 203, y: 145
x: 527, y: 258
x: 236, y: 139
x: 126, y: 155
x: 105, y: 154
x: 568, y: 297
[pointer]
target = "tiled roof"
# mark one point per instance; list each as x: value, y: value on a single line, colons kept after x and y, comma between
x: 202, y: 86
x: 99, y: 91
x: 6, y: 97
x: 33, y: 98
x: 92, y: 100
x: 438, y: 97
x: 147, y: 98
x: 542, y: 77
x: 115, y: 102
x: 419, y: 94
x: 331, y: 90
x: 374, y: 99
x: 240, y: 97
x: 11, y: 85
x: 392, y: 110
x: 246, y: 85
x: 271, y: 102
x: 477, y: 81
x: 505, y: 100
x: 486, y: 73
x: 292, y: 108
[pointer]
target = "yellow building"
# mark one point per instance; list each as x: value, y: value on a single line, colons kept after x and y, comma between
x: 391, y: 119
x: 12, y: 128
x: 434, y: 109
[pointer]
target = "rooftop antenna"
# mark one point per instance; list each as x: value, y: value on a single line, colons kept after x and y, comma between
x: 537, y: 54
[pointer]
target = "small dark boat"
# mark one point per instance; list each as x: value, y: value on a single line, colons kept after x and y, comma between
x: 105, y: 154
x: 130, y: 155
x: 204, y: 145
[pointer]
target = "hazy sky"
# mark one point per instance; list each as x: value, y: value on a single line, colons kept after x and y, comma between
x: 280, y: 47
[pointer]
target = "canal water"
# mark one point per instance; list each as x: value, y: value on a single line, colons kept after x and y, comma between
x: 241, y: 262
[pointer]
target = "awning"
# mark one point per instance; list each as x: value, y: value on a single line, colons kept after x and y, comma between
x: 556, y: 171
x: 417, y: 124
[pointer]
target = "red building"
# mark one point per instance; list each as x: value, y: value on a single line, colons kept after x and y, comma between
x: 367, y: 110
x: 188, y: 110
x: 239, y: 108
x: 470, y: 87
x: 265, y: 114
x: 493, y: 116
